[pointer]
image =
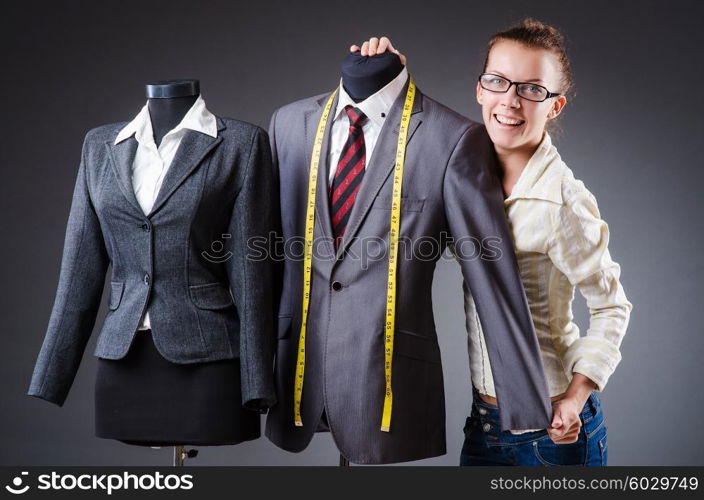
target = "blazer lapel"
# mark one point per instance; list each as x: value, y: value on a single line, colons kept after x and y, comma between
x: 193, y: 148
x: 322, y: 194
x: 382, y: 163
x: 121, y: 158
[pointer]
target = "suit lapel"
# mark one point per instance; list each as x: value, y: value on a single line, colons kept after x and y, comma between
x: 382, y: 163
x: 193, y: 148
x: 322, y: 193
x: 121, y: 157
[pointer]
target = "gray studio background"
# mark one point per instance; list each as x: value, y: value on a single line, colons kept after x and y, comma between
x: 633, y: 135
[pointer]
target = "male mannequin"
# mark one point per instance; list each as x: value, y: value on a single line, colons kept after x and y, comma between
x: 446, y: 192
x: 361, y: 78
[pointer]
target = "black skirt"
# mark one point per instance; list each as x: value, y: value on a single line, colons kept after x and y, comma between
x: 144, y: 399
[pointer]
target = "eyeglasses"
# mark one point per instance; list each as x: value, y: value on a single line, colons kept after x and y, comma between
x: 529, y: 91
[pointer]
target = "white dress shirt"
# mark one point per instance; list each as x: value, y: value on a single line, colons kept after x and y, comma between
x: 561, y: 244
x: 151, y: 163
x: 375, y: 107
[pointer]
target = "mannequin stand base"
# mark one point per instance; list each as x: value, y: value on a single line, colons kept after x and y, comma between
x: 181, y: 454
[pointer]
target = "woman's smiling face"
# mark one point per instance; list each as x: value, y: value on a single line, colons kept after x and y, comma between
x: 516, y: 125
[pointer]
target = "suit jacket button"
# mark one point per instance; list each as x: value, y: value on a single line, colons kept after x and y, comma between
x: 146, y: 279
x: 337, y: 286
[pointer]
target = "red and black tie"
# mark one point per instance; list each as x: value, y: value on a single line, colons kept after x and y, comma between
x: 348, y: 175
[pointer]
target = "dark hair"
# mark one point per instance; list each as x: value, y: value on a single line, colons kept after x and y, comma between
x: 536, y: 34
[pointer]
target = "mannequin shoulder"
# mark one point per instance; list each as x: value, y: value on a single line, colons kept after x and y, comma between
x: 448, y: 125
x: 441, y: 115
x: 296, y: 110
x: 239, y: 130
x: 104, y: 133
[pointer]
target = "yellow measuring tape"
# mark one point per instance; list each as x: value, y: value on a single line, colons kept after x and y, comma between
x: 308, y: 258
x: 393, y: 252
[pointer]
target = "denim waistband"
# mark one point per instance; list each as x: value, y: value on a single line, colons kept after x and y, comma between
x: 491, y: 412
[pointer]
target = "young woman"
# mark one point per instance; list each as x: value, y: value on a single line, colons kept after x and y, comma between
x: 561, y: 243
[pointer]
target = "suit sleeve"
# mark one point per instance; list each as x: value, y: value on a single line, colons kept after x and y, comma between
x: 81, y: 279
x: 251, y: 273
x: 483, y: 247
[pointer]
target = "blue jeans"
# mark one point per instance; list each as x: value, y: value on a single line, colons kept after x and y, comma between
x: 485, y: 444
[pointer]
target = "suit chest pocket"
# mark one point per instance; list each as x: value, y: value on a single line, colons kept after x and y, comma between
x: 407, y: 204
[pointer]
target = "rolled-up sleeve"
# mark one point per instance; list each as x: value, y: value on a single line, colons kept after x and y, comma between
x: 579, y: 249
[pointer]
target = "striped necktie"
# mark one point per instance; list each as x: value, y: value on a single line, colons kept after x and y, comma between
x: 348, y: 175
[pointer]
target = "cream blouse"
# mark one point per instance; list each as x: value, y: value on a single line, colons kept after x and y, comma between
x: 561, y: 243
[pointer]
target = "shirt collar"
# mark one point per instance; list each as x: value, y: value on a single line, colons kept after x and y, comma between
x: 541, y: 178
x: 377, y: 103
x: 198, y: 118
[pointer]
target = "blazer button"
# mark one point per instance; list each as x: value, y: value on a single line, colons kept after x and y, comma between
x: 337, y: 286
x: 145, y: 227
x: 146, y: 279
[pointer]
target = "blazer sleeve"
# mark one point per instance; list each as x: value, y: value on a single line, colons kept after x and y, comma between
x: 251, y: 273
x: 81, y: 279
x: 483, y: 247
x: 276, y: 244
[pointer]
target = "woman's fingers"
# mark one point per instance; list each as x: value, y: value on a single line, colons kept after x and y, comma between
x: 384, y: 44
x: 395, y: 51
x: 568, y: 438
x: 569, y: 435
x: 373, y: 44
x: 365, y: 48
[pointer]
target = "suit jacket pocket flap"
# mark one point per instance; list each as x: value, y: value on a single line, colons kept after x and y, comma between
x: 416, y: 346
x: 116, y: 288
x: 210, y: 296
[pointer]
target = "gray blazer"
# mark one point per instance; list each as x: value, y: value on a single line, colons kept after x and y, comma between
x: 448, y: 191
x: 217, y: 191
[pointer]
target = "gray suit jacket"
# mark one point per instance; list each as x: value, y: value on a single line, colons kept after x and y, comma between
x: 170, y: 259
x: 448, y: 191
